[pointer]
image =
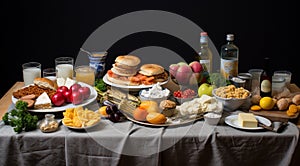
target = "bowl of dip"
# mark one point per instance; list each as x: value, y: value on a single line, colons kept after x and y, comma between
x: 155, y: 93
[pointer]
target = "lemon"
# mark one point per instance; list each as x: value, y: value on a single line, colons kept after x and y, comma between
x: 266, y: 103
x: 102, y: 111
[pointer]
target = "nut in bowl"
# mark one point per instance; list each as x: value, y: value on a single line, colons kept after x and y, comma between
x: 231, y: 97
x: 212, y: 118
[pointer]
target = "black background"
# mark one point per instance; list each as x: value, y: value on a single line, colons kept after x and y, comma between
x: 43, y: 30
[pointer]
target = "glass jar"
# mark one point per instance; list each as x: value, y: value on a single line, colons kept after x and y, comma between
x: 48, y: 124
x: 278, y: 85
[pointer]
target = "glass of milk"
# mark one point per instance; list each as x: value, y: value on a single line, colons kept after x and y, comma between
x: 64, y: 67
x: 31, y: 70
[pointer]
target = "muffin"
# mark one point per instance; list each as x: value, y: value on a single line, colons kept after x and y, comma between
x: 167, y: 107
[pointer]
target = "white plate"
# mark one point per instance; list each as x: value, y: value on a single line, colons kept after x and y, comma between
x: 92, y: 97
x: 232, y: 120
x: 131, y: 86
x: 81, y: 128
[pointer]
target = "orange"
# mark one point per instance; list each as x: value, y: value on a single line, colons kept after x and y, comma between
x: 140, y: 114
x: 266, y: 103
x: 149, y: 105
x: 102, y: 111
x: 156, y: 118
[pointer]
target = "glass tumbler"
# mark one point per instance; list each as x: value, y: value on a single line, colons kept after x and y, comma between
x: 31, y: 70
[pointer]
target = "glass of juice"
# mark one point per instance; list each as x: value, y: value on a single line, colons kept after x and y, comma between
x: 31, y: 70
x: 64, y: 67
x: 85, y: 74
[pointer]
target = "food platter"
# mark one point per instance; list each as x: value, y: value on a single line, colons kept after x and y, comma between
x: 232, y: 121
x: 131, y: 87
x: 171, y: 121
x: 81, y: 128
x: 92, y: 98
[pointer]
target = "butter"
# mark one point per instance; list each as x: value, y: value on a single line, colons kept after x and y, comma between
x: 247, y: 120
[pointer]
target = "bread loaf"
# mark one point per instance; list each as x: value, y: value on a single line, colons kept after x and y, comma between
x: 45, y: 83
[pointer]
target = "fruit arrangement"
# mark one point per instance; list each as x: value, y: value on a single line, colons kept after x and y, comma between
x: 184, y: 73
x: 76, y: 94
x: 110, y: 111
x: 291, y: 105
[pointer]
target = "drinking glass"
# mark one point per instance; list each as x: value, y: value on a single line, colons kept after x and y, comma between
x: 64, y: 67
x: 85, y: 74
x: 287, y: 75
x: 31, y: 70
x: 49, y: 73
x: 255, y: 79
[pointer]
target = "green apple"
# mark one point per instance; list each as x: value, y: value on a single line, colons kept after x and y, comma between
x: 205, y: 88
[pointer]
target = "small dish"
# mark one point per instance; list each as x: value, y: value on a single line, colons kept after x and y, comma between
x: 81, y: 128
x: 232, y: 121
x: 212, y: 118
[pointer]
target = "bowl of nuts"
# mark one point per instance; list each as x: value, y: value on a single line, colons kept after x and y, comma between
x: 231, y: 97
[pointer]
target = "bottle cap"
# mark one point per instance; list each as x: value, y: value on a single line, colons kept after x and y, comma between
x: 230, y: 37
x: 203, y: 34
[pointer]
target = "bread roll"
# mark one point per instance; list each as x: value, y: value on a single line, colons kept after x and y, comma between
x: 45, y: 83
x: 156, y: 118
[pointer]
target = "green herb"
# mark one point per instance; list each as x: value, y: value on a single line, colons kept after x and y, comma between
x: 20, y: 119
x: 100, y: 84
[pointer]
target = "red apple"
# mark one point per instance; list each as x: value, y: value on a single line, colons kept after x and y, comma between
x: 58, y: 99
x: 67, y: 95
x: 196, y: 66
x: 76, y: 97
x: 85, y: 91
x: 62, y: 89
x: 75, y: 87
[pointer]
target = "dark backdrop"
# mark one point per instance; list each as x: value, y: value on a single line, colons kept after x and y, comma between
x: 42, y: 30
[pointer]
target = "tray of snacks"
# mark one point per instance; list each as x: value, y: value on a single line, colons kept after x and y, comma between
x: 46, y: 95
x: 167, y: 112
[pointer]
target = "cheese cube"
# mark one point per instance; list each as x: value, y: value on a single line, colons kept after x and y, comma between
x: 247, y: 120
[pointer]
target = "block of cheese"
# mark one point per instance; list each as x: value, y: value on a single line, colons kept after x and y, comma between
x: 247, y: 120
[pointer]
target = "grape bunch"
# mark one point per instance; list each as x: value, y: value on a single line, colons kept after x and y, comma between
x: 114, y: 114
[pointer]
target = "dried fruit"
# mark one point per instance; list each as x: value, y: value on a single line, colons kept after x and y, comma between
x: 255, y: 108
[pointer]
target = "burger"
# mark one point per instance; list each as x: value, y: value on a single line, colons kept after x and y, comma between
x: 125, y: 67
x: 154, y: 70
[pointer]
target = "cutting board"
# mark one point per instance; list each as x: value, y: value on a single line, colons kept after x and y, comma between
x: 276, y: 115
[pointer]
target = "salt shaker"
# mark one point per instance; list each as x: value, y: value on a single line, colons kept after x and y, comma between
x: 48, y: 124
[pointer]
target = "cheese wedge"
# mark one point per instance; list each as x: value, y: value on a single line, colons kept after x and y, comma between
x: 43, y: 102
x: 247, y: 120
x: 60, y: 81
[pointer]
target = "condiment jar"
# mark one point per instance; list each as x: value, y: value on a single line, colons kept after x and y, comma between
x: 48, y: 124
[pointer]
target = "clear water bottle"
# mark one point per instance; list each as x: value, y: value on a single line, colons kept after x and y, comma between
x: 229, y: 58
x: 205, y: 54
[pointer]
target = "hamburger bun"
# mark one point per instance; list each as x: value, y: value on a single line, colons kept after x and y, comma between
x: 129, y: 60
x: 123, y: 71
x: 45, y: 83
x: 151, y: 69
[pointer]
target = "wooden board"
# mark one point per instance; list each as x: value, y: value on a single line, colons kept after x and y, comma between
x: 275, y: 115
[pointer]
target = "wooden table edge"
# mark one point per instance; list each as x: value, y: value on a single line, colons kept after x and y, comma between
x: 5, y: 101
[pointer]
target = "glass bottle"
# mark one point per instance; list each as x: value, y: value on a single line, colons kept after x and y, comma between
x: 205, y: 54
x: 48, y: 124
x: 266, y: 79
x: 229, y: 58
